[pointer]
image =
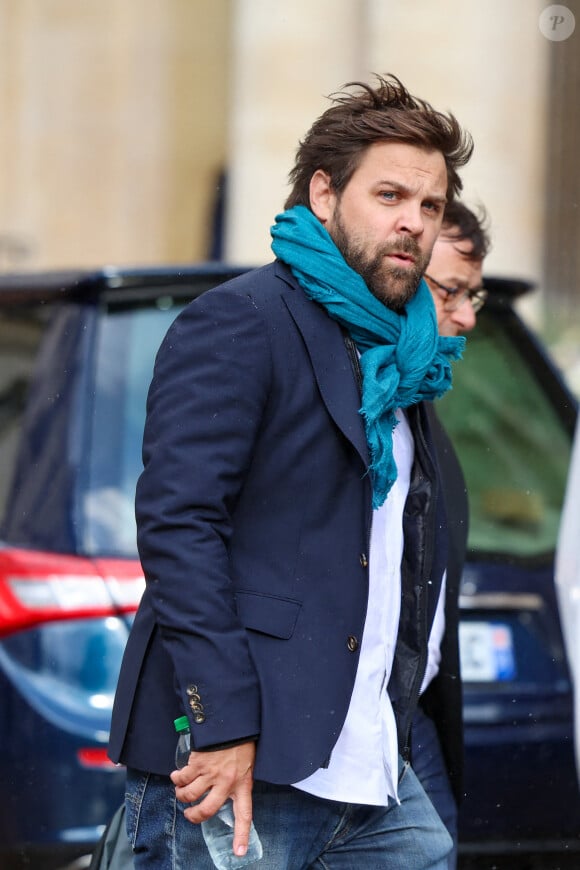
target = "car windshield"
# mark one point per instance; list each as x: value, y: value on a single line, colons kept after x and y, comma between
x: 127, y: 342
x: 513, y: 446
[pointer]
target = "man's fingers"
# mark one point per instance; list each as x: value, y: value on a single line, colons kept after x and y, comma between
x: 242, y: 817
x: 193, y: 792
x: 182, y: 777
x: 207, y: 807
x: 210, y: 778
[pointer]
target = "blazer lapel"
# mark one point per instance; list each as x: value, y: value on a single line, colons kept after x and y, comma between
x: 332, y: 366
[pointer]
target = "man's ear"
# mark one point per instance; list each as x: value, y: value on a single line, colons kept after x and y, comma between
x: 322, y: 196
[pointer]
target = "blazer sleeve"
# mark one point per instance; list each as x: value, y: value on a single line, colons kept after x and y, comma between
x: 210, y: 384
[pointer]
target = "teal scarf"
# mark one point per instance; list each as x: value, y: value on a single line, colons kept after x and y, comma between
x: 403, y: 358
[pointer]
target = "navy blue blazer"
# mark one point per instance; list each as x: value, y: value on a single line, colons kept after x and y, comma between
x: 254, y: 514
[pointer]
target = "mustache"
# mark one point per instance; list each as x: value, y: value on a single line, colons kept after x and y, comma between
x: 403, y: 245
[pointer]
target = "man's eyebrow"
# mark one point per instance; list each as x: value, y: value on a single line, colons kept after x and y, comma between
x: 396, y: 185
x: 439, y: 198
x: 460, y: 283
x: 408, y: 191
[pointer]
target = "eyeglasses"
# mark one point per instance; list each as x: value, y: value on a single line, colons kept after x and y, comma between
x: 456, y: 296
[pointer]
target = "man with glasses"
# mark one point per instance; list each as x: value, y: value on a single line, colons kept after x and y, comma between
x: 454, y: 276
x: 454, y: 273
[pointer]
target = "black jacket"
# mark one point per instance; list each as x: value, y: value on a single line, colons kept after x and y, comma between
x: 443, y: 699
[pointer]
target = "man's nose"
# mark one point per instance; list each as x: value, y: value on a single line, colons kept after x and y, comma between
x: 465, y: 317
x: 410, y: 219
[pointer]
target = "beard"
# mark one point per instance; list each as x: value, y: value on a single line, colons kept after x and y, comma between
x: 392, y: 286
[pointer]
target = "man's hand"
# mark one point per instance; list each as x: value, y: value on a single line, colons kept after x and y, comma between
x: 219, y: 775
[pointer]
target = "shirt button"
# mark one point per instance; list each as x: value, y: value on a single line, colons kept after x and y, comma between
x: 364, y: 560
x: 352, y: 643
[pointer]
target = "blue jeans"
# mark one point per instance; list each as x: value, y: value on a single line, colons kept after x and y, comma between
x: 429, y: 766
x: 297, y: 830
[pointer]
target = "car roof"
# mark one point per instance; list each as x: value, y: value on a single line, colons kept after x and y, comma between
x: 87, y: 284
x: 507, y: 288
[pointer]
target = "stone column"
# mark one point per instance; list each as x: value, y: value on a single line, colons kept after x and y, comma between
x: 562, y: 218
x: 286, y: 58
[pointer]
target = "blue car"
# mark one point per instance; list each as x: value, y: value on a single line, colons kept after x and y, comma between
x: 511, y: 418
x: 76, y: 358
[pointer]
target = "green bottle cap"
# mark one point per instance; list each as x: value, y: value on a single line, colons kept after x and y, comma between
x: 181, y: 724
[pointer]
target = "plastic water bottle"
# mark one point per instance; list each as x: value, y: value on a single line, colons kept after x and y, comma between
x: 183, y: 747
x: 218, y: 831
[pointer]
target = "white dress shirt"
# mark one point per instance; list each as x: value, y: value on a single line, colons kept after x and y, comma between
x: 363, y: 766
x: 435, y: 638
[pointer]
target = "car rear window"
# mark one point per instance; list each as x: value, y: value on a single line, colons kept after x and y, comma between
x: 126, y: 345
x: 513, y: 444
x: 21, y: 331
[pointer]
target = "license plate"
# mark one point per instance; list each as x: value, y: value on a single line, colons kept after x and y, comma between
x: 487, y: 652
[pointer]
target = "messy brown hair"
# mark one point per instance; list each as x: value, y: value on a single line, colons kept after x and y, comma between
x: 338, y: 139
x: 464, y: 225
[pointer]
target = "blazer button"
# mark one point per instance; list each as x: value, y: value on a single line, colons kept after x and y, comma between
x: 364, y: 560
x: 191, y: 690
x: 352, y: 643
x: 199, y: 718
